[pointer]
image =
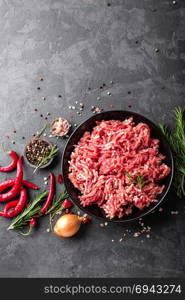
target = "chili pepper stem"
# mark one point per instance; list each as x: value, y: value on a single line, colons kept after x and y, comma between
x: 26, y: 233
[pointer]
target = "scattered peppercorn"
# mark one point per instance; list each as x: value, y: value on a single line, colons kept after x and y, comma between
x: 59, y: 96
x: 38, y: 88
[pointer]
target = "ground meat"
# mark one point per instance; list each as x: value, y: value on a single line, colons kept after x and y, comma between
x: 107, y: 164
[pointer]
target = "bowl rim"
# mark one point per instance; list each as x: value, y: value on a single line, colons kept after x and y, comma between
x: 121, y: 220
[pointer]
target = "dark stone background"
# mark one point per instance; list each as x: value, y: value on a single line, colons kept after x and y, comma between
x: 76, y: 46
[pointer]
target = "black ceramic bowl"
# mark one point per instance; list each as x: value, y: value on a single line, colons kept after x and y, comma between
x: 88, y: 125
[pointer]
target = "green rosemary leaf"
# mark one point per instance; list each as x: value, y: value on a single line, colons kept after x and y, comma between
x: 47, y: 126
x: 57, y: 204
x: 140, y: 181
x: 176, y: 139
x: 33, y: 209
x: 130, y: 177
x: 54, y: 152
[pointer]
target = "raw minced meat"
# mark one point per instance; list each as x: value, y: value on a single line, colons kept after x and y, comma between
x: 118, y: 166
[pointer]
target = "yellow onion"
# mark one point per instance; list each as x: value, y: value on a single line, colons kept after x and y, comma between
x: 67, y: 225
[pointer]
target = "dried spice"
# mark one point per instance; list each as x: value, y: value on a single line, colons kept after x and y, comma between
x: 60, y: 127
x: 36, y: 150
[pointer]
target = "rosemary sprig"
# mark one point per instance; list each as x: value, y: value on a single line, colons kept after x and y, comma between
x: 176, y: 139
x: 32, y: 210
x: 56, y: 206
x: 130, y: 177
x: 47, y: 126
x: 53, y: 152
x: 139, y: 180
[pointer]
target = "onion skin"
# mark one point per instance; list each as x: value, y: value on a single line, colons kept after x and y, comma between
x: 67, y: 225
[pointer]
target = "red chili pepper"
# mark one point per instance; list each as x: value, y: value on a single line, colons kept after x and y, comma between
x: 59, y: 178
x: 20, y: 205
x: 33, y: 222
x: 67, y: 204
x: 7, y: 207
x: 10, y: 182
x: 17, y: 185
x: 50, y: 195
x: 86, y: 220
x: 10, y: 204
x: 13, y: 164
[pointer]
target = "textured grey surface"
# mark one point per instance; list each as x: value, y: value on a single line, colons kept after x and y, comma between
x: 76, y: 46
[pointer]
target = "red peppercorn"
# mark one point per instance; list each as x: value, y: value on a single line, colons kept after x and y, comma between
x: 86, y: 220
x: 59, y: 178
x: 14, y: 131
x: 67, y: 204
